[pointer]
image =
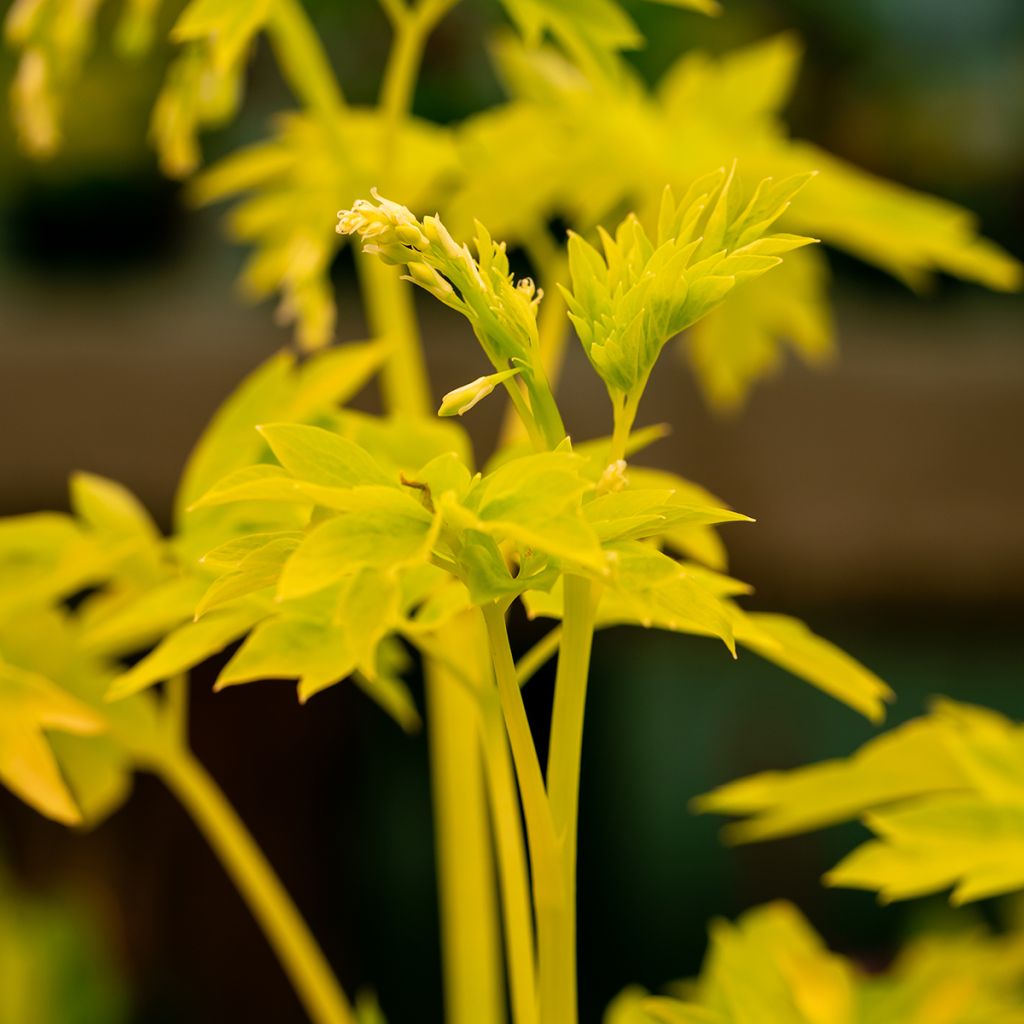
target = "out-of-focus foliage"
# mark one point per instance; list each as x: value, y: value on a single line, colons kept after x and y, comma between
x: 943, y: 794
x: 55, y: 966
x: 600, y: 142
x: 771, y: 966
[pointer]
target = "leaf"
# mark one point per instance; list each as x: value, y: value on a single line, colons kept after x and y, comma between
x: 908, y: 761
x: 790, y: 644
x: 229, y: 27
x: 280, y: 389
x: 383, y: 529
x: 386, y: 687
x: 29, y: 705
x: 186, y: 647
x: 289, y: 186
x: 111, y: 510
x: 322, y: 457
x: 635, y: 514
x: 535, y: 501
x: 697, y: 542
x: 119, y: 622
x: 258, y: 570
x: 626, y: 304
x: 254, y: 483
x: 286, y: 648
x: 45, y: 557
x: 771, y: 965
x: 943, y: 794
x: 198, y: 92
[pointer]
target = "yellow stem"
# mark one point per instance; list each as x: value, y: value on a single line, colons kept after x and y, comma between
x: 513, y: 872
x: 564, y: 761
x: 243, y: 860
x: 466, y: 883
x: 550, y: 891
x: 302, y: 60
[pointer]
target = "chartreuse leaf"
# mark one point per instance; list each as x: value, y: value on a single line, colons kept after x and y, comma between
x: 590, y: 31
x: 282, y: 648
x: 44, y: 557
x: 228, y: 26
x: 944, y: 795
x: 700, y: 543
x: 791, y: 645
x: 321, y: 457
x: 260, y: 569
x: 629, y: 301
x: 29, y: 705
x: 185, y: 647
x: 199, y: 91
x: 281, y: 389
x: 54, y: 37
x: 536, y: 502
x: 90, y: 750
x: 771, y: 966
x: 646, y: 587
x: 383, y: 528
x: 120, y: 621
x: 290, y: 185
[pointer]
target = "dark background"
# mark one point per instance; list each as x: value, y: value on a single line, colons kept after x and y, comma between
x: 888, y: 493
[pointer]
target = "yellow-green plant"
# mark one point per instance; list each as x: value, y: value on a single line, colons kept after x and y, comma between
x: 771, y: 966
x: 330, y: 543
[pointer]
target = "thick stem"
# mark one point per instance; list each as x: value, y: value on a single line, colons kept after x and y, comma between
x: 506, y: 816
x: 551, y: 898
x: 270, y: 904
x: 302, y: 60
x: 564, y: 761
x: 467, y: 894
x: 466, y: 883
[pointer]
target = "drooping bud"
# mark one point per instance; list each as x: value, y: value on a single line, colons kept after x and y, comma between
x: 462, y: 399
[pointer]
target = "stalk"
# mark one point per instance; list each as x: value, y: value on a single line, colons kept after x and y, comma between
x: 513, y: 871
x: 564, y: 761
x: 465, y: 860
x: 286, y: 931
x: 469, y: 912
x: 557, y: 995
x: 301, y: 58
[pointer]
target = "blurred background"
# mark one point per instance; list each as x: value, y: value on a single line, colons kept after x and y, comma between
x: 888, y: 490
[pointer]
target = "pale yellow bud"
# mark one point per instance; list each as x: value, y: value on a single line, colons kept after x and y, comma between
x: 461, y: 400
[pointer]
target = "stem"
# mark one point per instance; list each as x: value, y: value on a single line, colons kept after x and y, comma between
x: 520, y: 950
x: 625, y: 414
x: 472, y: 971
x: 412, y: 29
x: 564, y: 760
x: 243, y: 860
x: 550, y: 266
x: 550, y: 890
x: 302, y: 60
x: 539, y: 823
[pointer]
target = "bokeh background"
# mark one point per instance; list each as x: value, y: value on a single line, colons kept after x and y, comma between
x: 888, y: 490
